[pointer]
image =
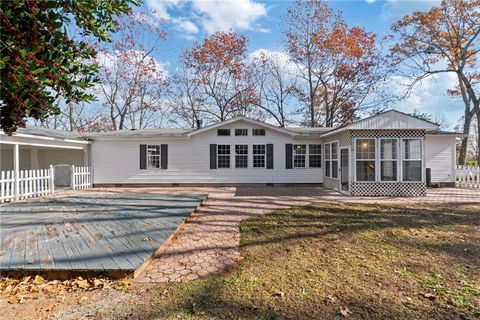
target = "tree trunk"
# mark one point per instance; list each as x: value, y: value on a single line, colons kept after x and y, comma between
x: 478, y: 138
x: 466, y: 130
x: 71, y: 117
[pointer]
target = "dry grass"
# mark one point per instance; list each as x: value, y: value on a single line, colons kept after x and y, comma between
x: 342, y: 261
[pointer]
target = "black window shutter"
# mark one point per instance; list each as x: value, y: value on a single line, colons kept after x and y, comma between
x: 143, y: 156
x: 164, y: 155
x: 213, y: 156
x: 288, y: 156
x: 269, y: 156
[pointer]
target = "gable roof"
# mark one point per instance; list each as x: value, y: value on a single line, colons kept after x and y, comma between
x: 391, y: 119
x: 248, y: 120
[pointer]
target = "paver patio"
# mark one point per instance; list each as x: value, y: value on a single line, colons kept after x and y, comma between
x: 209, y: 241
x: 92, y: 231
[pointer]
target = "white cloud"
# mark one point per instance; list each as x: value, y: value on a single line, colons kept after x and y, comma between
x: 109, y: 60
x: 212, y: 15
x: 396, y: 9
x: 370, y: 1
x: 220, y: 15
x: 186, y: 26
x: 429, y: 96
x: 160, y: 7
x: 281, y: 58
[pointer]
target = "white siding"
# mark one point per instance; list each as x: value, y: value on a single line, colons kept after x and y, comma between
x: 392, y: 120
x: 440, y: 157
x: 117, y: 161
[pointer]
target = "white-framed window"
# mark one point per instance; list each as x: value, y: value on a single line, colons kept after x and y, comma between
x: 241, y: 156
x: 328, y: 160
x: 241, y: 132
x: 259, y: 155
x: 258, y: 132
x: 299, y: 155
x: 388, y: 159
x: 223, y: 156
x: 365, y: 159
x: 412, y: 159
x: 314, y: 155
x: 153, y: 156
x: 331, y: 160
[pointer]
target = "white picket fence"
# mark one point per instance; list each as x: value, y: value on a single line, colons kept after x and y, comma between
x: 29, y: 183
x: 34, y: 183
x: 468, y: 176
x: 81, y: 178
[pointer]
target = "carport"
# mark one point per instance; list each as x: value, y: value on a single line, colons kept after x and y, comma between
x: 39, y: 153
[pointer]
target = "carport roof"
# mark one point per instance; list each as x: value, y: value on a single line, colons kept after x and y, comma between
x: 46, y: 132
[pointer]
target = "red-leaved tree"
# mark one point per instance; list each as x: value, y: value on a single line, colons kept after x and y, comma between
x: 217, y: 65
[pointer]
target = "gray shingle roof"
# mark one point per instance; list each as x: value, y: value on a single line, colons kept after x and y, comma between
x: 143, y: 133
x: 46, y: 132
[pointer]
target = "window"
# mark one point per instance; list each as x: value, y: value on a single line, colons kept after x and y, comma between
x: 153, y: 156
x: 299, y: 155
x: 258, y: 132
x: 259, y: 156
x: 388, y: 159
x: 315, y: 155
x: 412, y: 160
x: 223, y: 156
x: 335, y: 160
x: 327, y: 160
x: 223, y: 132
x: 365, y: 159
x: 241, y: 156
x: 241, y: 132
x: 331, y: 160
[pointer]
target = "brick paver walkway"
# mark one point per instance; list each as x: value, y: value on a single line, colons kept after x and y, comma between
x: 209, y: 241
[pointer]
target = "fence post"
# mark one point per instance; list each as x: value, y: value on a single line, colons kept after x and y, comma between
x: 72, y: 179
x: 16, y: 154
x: 52, y: 179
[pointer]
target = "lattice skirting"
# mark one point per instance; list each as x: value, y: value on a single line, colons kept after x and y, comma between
x: 379, y: 189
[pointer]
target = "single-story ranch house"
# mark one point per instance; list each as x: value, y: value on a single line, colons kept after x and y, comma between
x: 389, y: 154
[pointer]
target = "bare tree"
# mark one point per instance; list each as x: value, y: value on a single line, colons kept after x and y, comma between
x: 132, y: 82
x: 275, y: 85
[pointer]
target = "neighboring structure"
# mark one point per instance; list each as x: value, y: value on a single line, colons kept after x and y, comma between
x: 385, y: 155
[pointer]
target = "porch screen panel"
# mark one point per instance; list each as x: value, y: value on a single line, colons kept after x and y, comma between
x: 365, y: 159
x: 388, y: 159
x: 412, y: 160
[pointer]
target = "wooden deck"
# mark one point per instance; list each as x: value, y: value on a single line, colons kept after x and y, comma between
x: 89, y: 232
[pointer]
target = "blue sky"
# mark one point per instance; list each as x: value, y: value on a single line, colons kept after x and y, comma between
x: 188, y: 21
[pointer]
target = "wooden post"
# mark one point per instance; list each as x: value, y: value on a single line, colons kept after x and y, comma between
x: 16, y: 170
x: 72, y: 181
x: 52, y: 179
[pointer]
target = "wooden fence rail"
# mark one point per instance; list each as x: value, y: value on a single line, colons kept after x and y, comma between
x: 22, y: 184
x: 468, y: 176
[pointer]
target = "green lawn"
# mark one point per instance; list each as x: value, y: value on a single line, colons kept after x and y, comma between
x: 341, y: 261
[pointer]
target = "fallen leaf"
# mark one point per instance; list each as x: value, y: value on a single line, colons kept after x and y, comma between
x: 427, y: 295
x: 12, y: 300
x: 38, y: 280
x: 279, y: 294
x: 330, y: 299
x: 83, y: 284
x: 345, y: 312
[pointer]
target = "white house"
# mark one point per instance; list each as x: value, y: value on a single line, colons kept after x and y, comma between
x: 390, y: 154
